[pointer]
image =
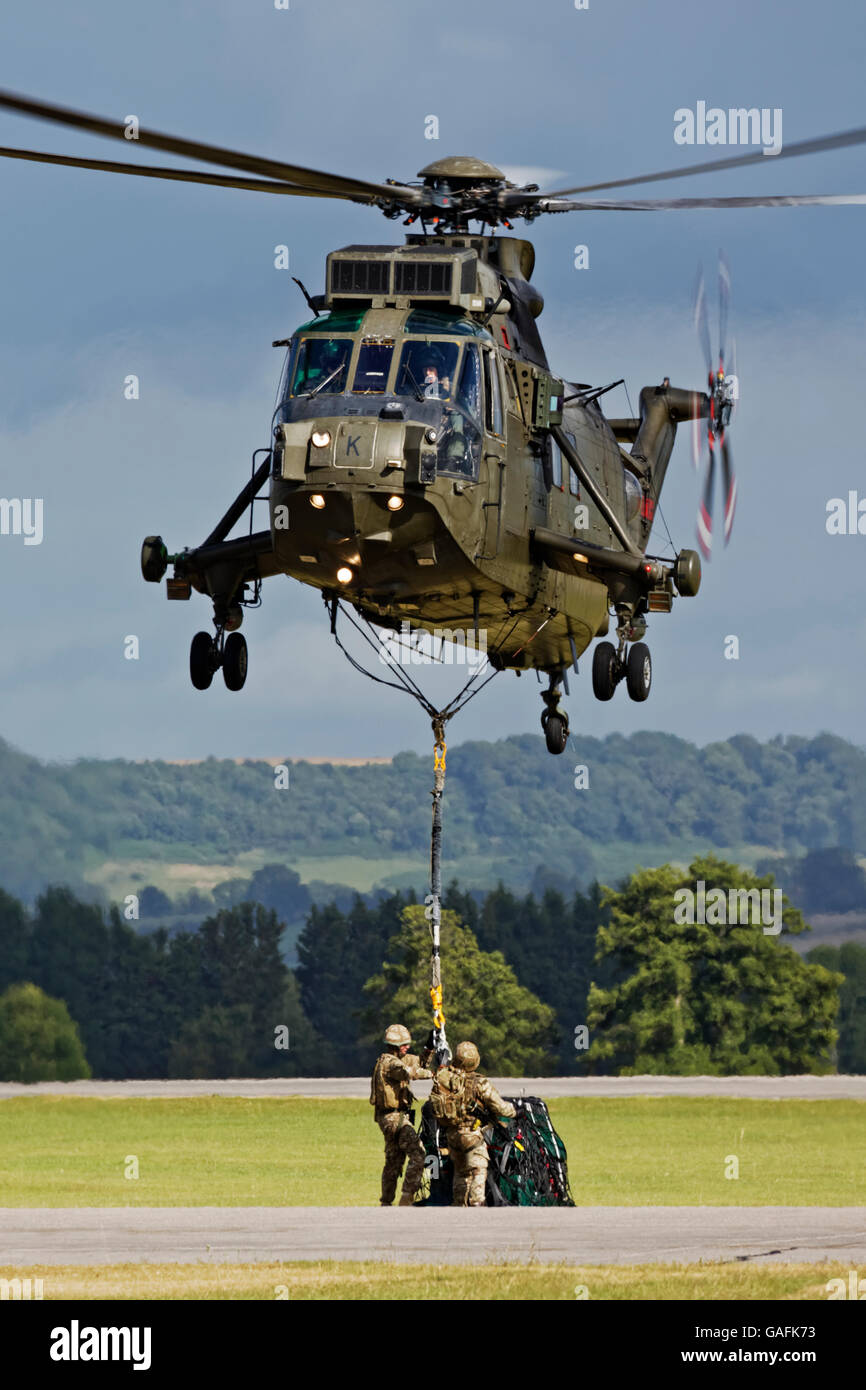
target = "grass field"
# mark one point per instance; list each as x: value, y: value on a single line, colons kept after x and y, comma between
x: 366, y: 1280
x: 60, y: 1151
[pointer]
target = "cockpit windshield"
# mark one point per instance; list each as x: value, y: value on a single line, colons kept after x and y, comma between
x: 320, y: 365
x: 374, y: 364
x: 427, y: 370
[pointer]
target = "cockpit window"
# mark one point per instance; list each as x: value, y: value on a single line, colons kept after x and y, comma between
x: 320, y: 365
x: 459, y: 444
x: 431, y: 321
x: 426, y: 370
x: 374, y: 363
x: 469, y: 390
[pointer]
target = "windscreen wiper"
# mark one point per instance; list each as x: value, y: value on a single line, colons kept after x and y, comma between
x: 407, y: 371
x: 322, y: 384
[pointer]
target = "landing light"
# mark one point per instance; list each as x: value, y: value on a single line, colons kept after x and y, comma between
x: 321, y: 438
x: 344, y: 575
x: 317, y: 501
x: 394, y: 504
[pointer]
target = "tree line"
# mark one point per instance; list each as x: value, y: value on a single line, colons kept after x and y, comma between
x: 604, y: 981
x: 648, y: 787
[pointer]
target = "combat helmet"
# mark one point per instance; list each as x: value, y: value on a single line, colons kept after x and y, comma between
x: 467, y: 1056
x: 397, y: 1035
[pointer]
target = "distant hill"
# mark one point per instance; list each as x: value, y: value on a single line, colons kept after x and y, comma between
x: 509, y: 808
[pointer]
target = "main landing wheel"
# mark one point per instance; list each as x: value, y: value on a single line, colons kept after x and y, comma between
x: 235, y: 661
x: 639, y: 671
x: 555, y: 731
x: 605, y: 675
x: 202, y: 660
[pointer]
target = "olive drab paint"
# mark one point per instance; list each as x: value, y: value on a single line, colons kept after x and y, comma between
x: 512, y: 506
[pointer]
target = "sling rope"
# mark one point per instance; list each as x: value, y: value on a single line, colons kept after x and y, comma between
x: 439, y: 718
x: 440, y: 1044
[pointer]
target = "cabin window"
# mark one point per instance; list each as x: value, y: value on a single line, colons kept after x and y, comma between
x: 494, y: 393
x: 573, y: 483
x: 427, y: 370
x: 320, y: 364
x: 555, y: 462
x: 374, y: 364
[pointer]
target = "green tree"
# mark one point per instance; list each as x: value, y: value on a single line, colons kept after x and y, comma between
x: 14, y: 941
x: 706, y: 999
x: 38, y: 1039
x: 850, y: 960
x: 550, y: 944
x: 337, y: 953
x: 215, y: 1044
x: 484, y: 1000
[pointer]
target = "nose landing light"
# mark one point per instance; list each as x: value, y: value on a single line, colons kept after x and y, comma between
x: 394, y: 503
x: 344, y: 575
x: 317, y: 500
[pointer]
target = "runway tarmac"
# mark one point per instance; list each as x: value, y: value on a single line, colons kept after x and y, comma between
x: 438, y: 1235
x: 550, y: 1087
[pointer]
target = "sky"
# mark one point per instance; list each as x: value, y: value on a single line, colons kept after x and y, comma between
x: 103, y: 277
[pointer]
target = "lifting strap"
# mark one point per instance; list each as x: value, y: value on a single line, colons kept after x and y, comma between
x: 443, y: 1052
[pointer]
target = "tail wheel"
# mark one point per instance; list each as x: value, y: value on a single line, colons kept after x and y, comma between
x: 555, y: 731
x: 154, y: 559
x: 235, y: 661
x: 639, y: 671
x: 604, y: 671
x: 201, y: 660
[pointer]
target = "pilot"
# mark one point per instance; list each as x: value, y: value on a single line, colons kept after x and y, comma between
x: 435, y: 387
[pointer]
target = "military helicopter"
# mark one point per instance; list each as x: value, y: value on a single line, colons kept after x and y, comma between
x: 426, y: 465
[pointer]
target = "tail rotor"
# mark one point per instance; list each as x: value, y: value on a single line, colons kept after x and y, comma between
x: 709, y: 437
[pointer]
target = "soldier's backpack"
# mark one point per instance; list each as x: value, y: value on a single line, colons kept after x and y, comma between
x: 383, y: 1094
x: 452, y: 1097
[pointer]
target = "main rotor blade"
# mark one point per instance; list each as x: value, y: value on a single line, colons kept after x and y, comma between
x: 670, y: 204
x: 150, y: 171
x: 295, y: 174
x: 824, y: 142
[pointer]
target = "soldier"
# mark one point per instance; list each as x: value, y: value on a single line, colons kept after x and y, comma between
x: 392, y: 1099
x: 459, y: 1099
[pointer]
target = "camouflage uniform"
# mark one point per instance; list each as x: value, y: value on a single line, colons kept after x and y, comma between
x: 392, y: 1100
x: 463, y: 1138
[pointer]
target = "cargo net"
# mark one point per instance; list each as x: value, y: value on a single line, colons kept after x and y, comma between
x: 527, y: 1167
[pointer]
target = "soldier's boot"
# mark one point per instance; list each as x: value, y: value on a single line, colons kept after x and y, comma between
x: 407, y: 1199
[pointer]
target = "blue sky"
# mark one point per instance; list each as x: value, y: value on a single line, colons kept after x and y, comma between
x: 104, y: 276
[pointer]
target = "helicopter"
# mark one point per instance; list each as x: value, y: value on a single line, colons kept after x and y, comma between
x: 426, y: 466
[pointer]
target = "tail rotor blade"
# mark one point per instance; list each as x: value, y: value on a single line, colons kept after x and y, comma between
x: 705, y: 511
x: 700, y: 430
x: 724, y: 307
x: 701, y: 321
x: 729, y: 483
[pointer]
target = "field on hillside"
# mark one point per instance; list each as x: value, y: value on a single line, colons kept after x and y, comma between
x: 60, y: 1151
